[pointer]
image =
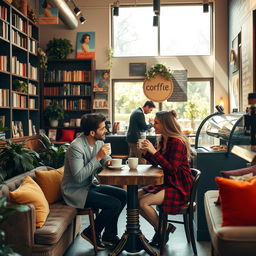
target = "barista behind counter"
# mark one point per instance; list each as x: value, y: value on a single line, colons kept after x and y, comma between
x: 119, y: 145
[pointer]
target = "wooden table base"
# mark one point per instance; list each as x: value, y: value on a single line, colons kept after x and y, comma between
x: 132, y: 240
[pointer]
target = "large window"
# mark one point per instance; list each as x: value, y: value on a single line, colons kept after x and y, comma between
x: 184, y: 30
x: 128, y: 95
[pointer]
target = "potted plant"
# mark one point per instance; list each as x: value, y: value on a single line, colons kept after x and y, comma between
x: 16, y: 159
x: 59, y: 48
x: 51, y: 155
x: 54, y: 112
x: 20, y: 86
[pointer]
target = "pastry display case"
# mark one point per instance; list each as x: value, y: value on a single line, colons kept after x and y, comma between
x: 219, y: 132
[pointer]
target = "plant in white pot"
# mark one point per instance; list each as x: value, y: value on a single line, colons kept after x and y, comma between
x: 54, y: 113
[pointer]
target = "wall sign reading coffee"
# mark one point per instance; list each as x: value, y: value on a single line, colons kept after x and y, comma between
x: 158, y: 89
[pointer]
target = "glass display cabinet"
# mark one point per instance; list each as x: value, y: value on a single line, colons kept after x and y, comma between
x: 219, y: 132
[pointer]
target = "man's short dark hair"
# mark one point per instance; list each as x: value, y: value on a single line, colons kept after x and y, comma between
x: 91, y: 122
x: 149, y: 103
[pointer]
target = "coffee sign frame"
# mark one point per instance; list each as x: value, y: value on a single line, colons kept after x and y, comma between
x: 158, y: 89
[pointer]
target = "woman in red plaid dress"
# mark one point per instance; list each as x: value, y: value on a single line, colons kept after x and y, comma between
x: 172, y: 155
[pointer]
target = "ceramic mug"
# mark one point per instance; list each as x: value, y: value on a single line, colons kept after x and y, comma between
x: 132, y: 162
x: 116, y: 162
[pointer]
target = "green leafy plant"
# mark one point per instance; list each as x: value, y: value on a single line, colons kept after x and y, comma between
x: 51, y: 155
x: 15, y: 158
x: 159, y: 69
x: 54, y: 111
x: 43, y: 59
x: 5, y: 211
x: 192, y: 113
x: 20, y: 86
x: 31, y: 14
x: 59, y: 48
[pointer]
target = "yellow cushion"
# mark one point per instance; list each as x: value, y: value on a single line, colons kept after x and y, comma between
x: 50, y: 183
x: 30, y: 193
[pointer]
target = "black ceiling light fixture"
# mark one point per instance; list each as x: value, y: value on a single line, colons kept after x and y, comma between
x: 82, y: 20
x: 205, y: 5
x: 156, y: 9
x: 116, y: 8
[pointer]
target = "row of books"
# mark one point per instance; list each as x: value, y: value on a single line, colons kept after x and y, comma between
x: 21, y: 69
x: 3, y: 63
x: 80, y: 104
x: 19, y: 39
x: 19, y: 23
x: 32, y: 89
x: 32, y: 46
x: 3, y: 13
x: 19, y: 101
x: 68, y: 90
x: 68, y: 76
x: 4, y: 98
x: 17, y: 129
x: 4, y: 30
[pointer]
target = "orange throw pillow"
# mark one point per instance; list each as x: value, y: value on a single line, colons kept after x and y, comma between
x: 238, y: 202
x: 50, y: 183
x: 30, y: 193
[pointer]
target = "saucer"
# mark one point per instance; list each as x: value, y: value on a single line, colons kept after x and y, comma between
x: 115, y: 167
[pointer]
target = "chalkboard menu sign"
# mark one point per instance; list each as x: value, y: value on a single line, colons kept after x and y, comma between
x: 180, y: 79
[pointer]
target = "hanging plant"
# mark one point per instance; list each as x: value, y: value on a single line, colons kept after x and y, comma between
x: 159, y: 69
x: 43, y: 59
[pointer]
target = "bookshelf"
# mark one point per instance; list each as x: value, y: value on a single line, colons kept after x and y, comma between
x: 69, y: 83
x: 19, y: 105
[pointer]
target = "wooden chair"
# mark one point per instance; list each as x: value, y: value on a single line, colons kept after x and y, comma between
x: 90, y: 212
x: 188, y: 216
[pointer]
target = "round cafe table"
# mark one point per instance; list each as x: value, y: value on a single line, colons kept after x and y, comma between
x: 133, y: 239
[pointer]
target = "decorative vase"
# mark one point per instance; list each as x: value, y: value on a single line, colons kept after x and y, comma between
x: 54, y: 123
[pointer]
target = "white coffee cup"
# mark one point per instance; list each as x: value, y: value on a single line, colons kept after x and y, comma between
x: 143, y: 135
x: 140, y: 143
x: 132, y: 162
x: 109, y: 148
x: 116, y: 162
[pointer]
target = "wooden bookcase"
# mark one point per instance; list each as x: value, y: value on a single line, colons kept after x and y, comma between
x: 68, y: 82
x: 19, y: 38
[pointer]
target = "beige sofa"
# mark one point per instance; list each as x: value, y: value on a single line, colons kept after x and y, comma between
x: 235, y: 241
x: 60, y: 229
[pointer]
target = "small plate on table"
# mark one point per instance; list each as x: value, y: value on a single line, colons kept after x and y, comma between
x: 115, y: 167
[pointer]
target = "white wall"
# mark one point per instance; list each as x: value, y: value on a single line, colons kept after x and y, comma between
x: 98, y: 20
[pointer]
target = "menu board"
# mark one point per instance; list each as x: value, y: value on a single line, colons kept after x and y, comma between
x: 180, y: 79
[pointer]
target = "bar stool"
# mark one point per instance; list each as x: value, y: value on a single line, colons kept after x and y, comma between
x: 90, y: 212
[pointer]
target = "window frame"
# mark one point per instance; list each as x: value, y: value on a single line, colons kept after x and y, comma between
x: 158, y: 30
x: 159, y: 104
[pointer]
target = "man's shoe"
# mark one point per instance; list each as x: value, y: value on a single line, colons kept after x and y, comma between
x: 110, y: 240
x: 87, y: 235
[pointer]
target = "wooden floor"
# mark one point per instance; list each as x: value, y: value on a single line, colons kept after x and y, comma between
x: 177, y: 244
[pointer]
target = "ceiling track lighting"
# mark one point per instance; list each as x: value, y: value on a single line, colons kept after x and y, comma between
x: 82, y: 20
x: 205, y: 6
x: 156, y: 7
x: 77, y: 11
x: 116, y: 8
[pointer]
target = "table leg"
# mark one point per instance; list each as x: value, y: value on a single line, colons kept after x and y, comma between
x: 133, y: 240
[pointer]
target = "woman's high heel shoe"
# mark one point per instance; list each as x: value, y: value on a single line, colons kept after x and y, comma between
x: 170, y: 229
x: 155, y: 240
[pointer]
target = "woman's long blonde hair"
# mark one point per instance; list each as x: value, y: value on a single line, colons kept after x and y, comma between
x: 172, y: 128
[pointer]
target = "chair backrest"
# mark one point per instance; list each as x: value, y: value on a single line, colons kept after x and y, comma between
x: 196, y: 174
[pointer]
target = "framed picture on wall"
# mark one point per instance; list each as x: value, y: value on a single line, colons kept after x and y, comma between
x: 85, y: 45
x: 234, y: 55
x: 137, y: 69
x: 102, y: 81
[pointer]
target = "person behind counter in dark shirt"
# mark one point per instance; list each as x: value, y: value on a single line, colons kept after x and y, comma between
x: 172, y: 155
x: 138, y: 124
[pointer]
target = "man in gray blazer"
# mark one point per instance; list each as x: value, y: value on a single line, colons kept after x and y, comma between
x: 85, y: 157
x: 138, y: 124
